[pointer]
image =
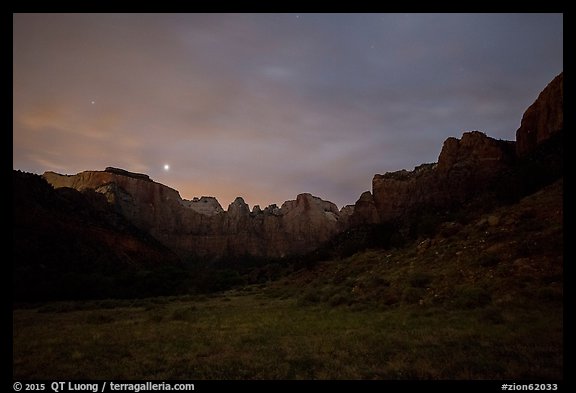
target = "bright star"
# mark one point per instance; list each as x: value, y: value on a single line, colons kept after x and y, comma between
x: 166, y: 167
x: 92, y: 102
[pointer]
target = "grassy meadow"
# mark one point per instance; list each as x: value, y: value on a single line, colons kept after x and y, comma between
x: 250, y: 336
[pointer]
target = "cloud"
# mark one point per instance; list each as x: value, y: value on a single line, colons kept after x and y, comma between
x: 267, y: 106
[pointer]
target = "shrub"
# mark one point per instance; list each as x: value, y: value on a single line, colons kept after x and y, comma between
x: 184, y: 314
x: 487, y: 260
x: 377, y: 281
x: 309, y: 297
x: 110, y: 303
x: 413, y: 295
x: 99, y: 318
x: 492, y: 315
x: 471, y: 297
x: 550, y: 294
x: 338, y: 300
x: 390, y: 297
x: 156, y: 316
x: 420, y: 280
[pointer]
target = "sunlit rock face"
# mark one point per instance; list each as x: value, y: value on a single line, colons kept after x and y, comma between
x: 543, y: 119
x: 209, y: 206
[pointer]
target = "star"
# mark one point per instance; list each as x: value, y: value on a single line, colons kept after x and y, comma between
x: 166, y: 167
x: 92, y: 102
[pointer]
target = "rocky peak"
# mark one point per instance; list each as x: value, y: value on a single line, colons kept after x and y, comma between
x: 238, y: 208
x: 365, y: 211
x: 273, y: 209
x: 474, y: 149
x: 344, y: 216
x: 306, y: 202
x: 205, y: 205
x: 465, y: 167
x: 347, y: 210
x: 542, y: 119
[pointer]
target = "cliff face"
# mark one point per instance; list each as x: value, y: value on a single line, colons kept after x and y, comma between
x: 465, y: 167
x: 201, y: 228
x: 543, y: 119
x: 79, y: 217
x: 69, y: 243
x: 208, y: 206
x: 474, y: 164
x: 364, y: 211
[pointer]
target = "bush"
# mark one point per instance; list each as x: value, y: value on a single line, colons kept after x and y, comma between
x: 425, y: 224
x: 338, y: 300
x: 110, y: 303
x: 471, y: 297
x: 59, y: 307
x: 487, y: 260
x: 184, y: 314
x: 492, y: 315
x: 550, y: 294
x: 378, y: 282
x: 413, y: 295
x: 155, y: 316
x: 420, y: 280
x: 99, y: 318
x: 309, y: 297
x: 390, y: 297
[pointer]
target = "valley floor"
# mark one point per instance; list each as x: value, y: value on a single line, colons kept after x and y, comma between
x: 251, y: 336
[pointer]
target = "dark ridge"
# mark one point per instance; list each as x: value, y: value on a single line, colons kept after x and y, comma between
x: 69, y: 244
x: 124, y: 172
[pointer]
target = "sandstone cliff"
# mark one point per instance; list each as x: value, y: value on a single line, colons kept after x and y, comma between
x: 71, y: 244
x: 543, y: 119
x: 465, y: 167
x: 476, y: 164
x: 201, y: 228
x: 365, y: 211
x: 208, y: 206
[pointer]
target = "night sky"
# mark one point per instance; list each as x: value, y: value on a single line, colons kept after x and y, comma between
x: 267, y: 106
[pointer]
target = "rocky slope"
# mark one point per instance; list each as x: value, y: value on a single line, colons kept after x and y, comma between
x: 507, y: 253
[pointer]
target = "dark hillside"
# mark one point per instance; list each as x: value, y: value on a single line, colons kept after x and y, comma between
x: 70, y: 244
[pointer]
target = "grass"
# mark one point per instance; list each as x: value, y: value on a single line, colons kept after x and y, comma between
x: 253, y: 337
x: 481, y: 302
